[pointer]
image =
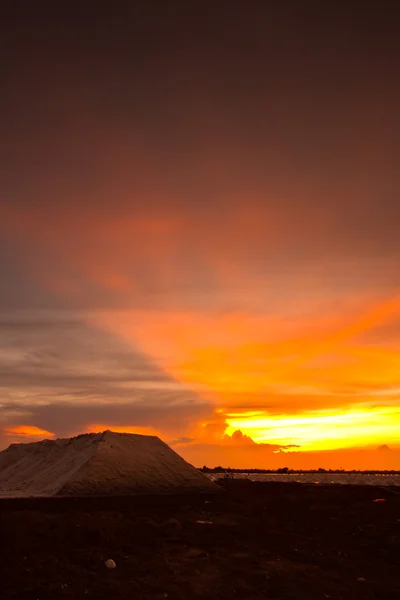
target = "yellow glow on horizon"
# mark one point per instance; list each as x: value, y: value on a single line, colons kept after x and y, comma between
x: 322, y: 430
x: 317, y: 372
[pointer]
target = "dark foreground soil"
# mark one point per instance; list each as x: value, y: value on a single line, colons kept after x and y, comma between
x: 270, y: 540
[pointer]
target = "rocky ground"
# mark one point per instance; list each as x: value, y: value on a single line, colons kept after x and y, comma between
x: 253, y: 541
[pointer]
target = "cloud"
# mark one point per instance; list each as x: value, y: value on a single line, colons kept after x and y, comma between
x: 73, y: 354
x: 180, y: 441
x: 27, y: 431
x: 238, y: 438
x: 64, y: 375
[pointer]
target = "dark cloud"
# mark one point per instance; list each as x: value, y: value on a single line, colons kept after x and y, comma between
x: 62, y: 375
x: 384, y: 448
x: 66, y: 419
x: 181, y: 440
x: 238, y: 438
x: 198, y: 117
x: 39, y: 352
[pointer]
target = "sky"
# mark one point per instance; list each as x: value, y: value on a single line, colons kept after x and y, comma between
x: 200, y: 228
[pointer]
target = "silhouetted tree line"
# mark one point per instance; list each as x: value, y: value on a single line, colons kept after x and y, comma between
x: 220, y: 469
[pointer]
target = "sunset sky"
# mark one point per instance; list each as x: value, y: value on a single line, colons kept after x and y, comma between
x: 200, y: 229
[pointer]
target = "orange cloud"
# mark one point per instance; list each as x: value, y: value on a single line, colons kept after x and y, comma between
x: 29, y: 431
x: 238, y: 354
x: 372, y: 317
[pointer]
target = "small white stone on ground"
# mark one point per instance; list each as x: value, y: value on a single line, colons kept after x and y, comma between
x: 110, y: 564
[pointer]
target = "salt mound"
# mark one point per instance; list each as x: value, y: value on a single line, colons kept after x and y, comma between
x: 97, y: 464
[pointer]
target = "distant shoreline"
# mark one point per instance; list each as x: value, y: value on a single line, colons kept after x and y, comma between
x: 287, y: 471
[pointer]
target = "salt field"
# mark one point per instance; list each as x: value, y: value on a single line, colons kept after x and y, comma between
x: 380, y: 479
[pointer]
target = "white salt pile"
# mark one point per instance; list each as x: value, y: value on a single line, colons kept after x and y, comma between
x: 97, y: 464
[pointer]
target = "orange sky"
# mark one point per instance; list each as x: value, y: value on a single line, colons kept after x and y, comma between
x: 327, y: 388
x: 290, y: 363
x: 204, y: 240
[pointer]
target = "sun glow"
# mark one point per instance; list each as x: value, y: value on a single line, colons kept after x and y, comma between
x: 312, y: 380
x: 322, y: 430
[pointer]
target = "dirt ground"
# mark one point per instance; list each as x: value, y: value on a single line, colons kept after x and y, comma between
x: 270, y: 540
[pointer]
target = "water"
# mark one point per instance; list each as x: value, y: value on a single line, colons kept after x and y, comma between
x: 320, y: 478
